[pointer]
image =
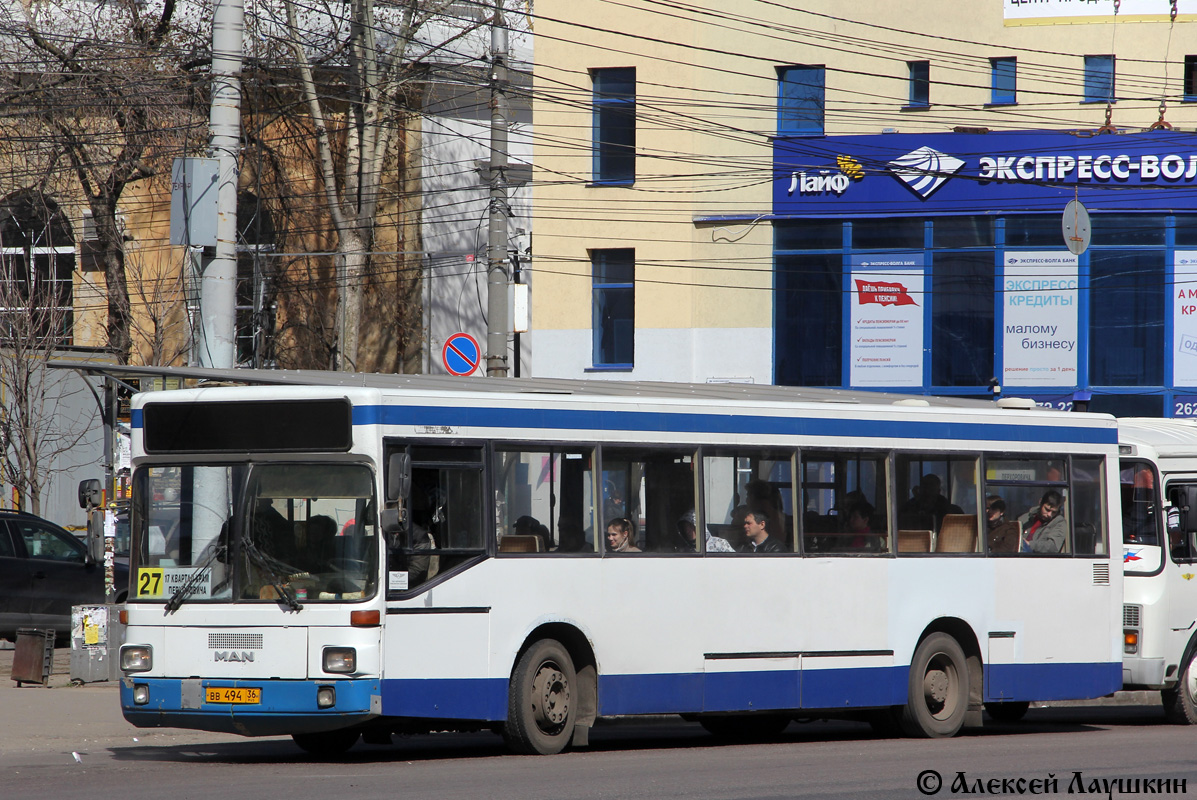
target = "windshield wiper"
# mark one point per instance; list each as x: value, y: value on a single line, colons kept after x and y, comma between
x: 271, y: 566
x: 181, y: 594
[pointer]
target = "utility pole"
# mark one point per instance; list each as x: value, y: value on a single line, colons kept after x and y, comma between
x: 496, y: 272
x: 218, y: 287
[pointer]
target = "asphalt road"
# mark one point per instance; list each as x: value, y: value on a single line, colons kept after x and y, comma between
x: 70, y: 742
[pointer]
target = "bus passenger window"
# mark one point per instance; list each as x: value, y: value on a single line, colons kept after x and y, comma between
x: 545, y: 500
x: 939, y: 494
x: 736, y: 481
x: 1037, y: 498
x: 650, y: 488
x: 845, y: 503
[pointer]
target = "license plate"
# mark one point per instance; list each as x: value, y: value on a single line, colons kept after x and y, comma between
x: 225, y: 694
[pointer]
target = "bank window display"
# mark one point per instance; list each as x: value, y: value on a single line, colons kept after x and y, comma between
x: 1190, y: 79
x: 947, y: 305
x: 1126, y: 317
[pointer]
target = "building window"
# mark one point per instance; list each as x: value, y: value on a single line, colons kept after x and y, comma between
x: 800, y: 101
x: 920, y: 83
x: 614, y: 296
x: 1126, y: 317
x: 614, y: 125
x: 808, y: 334
x: 1099, y: 79
x: 37, y: 262
x: 1003, y: 81
x: 1190, y: 79
x: 962, y: 318
x: 255, y: 290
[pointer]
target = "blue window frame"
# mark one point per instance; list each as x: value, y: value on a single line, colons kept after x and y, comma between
x: 614, y: 125
x: 920, y: 84
x: 1003, y: 81
x: 1190, y: 79
x: 800, y: 100
x: 614, y: 303
x: 1099, y: 79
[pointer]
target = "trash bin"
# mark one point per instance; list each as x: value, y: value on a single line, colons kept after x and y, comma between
x: 96, y: 635
x: 34, y: 657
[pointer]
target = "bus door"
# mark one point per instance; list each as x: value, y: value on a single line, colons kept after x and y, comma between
x: 1180, y: 576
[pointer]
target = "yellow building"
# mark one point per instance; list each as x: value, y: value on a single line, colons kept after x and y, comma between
x: 868, y: 194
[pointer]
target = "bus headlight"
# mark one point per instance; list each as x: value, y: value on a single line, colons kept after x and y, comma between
x: 340, y: 659
x: 141, y: 694
x: 137, y: 658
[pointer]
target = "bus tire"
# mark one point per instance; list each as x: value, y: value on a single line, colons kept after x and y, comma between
x: 938, y: 689
x: 541, y: 706
x: 1180, y: 703
x: 1007, y: 712
x: 327, y: 743
x: 745, y: 727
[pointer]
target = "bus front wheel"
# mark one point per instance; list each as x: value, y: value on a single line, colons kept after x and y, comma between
x: 541, y: 707
x: 1180, y: 703
x: 938, y: 689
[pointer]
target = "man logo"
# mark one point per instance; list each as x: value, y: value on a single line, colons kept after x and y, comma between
x: 232, y: 655
x: 924, y: 170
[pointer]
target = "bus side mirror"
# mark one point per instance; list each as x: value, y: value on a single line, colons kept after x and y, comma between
x: 1188, y: 508
x: 90, y: 493
x: 393, y: 518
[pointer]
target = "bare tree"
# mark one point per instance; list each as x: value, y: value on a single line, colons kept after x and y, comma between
x: 107, y: 82
x: 40, y: 423
x: 376, y: 57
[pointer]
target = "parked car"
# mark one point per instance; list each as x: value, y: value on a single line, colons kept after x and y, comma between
x: 44, y: 570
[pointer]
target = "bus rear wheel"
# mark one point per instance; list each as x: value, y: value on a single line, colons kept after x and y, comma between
x: 938, y: 689
x: 1180, y: 704
x: 327, y: 743
x: 541, y: 707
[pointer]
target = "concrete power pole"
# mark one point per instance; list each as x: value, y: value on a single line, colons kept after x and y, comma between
x: 497, y: 325
x: 218, y: 287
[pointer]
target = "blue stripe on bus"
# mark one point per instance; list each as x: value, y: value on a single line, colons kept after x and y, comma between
x: 565, y: 419
x: 675, y: 422
x: 290, y: 706
x: 1051, y: 681
x: 286, y: 707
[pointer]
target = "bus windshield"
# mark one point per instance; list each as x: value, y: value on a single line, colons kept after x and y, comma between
x: 290, y: 533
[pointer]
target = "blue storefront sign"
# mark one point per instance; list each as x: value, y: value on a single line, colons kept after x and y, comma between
x: 1024, y: 172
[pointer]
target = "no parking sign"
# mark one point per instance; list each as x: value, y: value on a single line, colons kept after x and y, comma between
x: 461, y: 354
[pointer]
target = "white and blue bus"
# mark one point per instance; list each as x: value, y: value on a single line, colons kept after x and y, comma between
x: 386, y: 554
x: 1158, y: 475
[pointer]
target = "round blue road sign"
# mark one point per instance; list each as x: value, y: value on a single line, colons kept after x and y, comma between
x: 461, y: 354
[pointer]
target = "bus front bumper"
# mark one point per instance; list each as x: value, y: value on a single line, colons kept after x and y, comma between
x: 1145, y: 672
x: 259, y: 707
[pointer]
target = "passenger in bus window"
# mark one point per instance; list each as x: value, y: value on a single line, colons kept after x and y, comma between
x: 862, y: 537
x: 1044, y: 529
x: 756, y: 530
x: 531, y: 526
x: 995, y: 511
x: 928, y: 501
x: 688, y: 529
x: 619, y: 537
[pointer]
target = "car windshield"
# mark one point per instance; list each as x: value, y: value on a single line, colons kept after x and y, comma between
x: 290, y: 533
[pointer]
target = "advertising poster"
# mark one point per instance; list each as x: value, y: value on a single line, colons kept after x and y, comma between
x: 1184, y: 319
x: 886, y: 347
x: 1030, y: 12
x: 1039, y: 319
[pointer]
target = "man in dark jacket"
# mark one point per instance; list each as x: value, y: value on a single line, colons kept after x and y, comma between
x: 756, y: 529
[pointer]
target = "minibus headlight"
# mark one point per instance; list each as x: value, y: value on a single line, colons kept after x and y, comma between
x: 340, y: 659
x: 137, y: 658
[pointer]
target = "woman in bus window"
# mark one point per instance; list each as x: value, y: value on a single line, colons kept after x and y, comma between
x: 619, y: 536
